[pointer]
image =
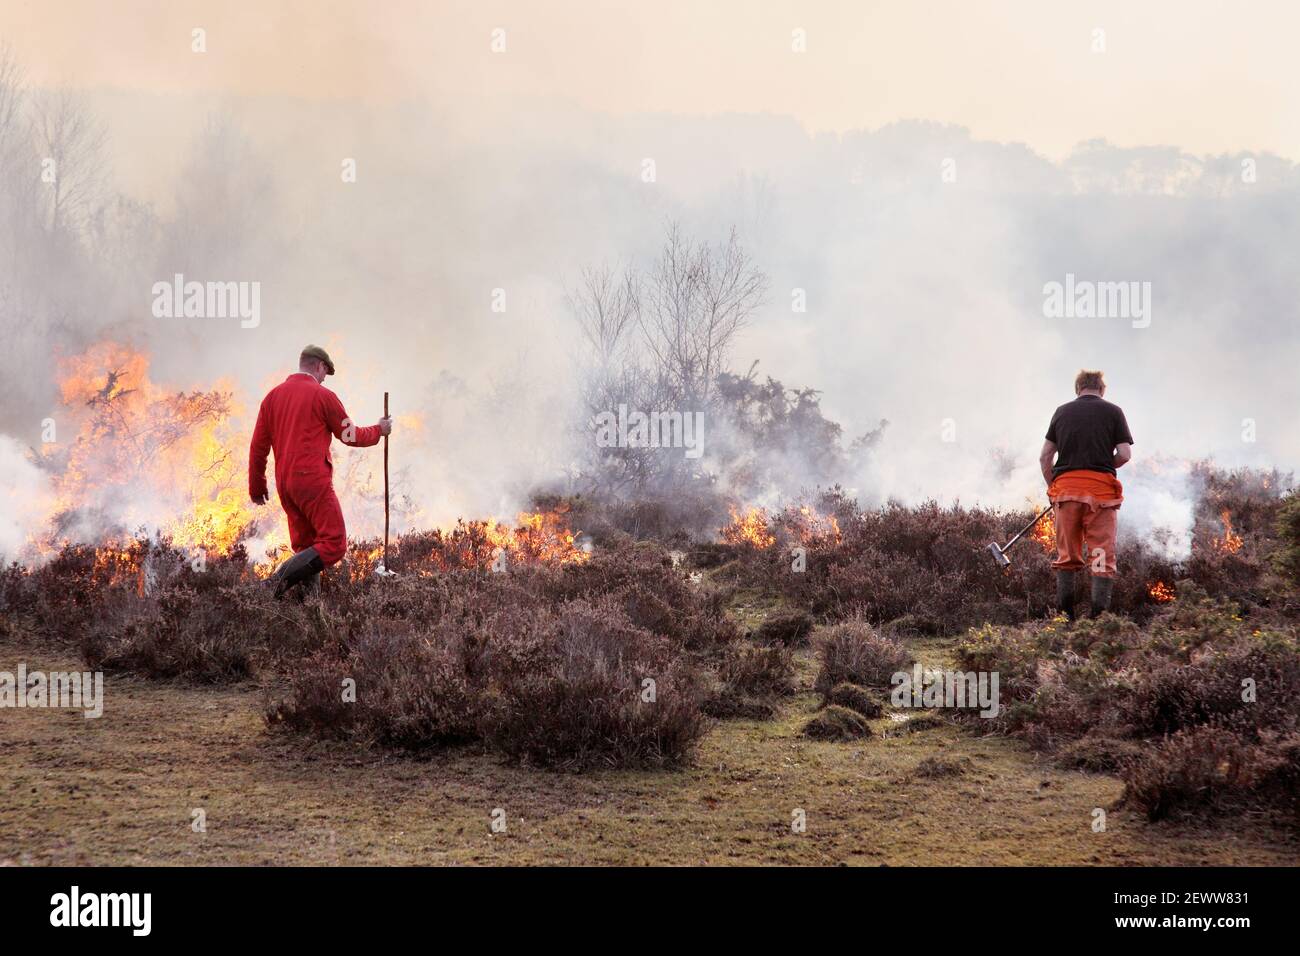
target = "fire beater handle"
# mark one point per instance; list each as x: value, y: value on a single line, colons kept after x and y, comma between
x: 385, y: 485
x: 1019, y: 534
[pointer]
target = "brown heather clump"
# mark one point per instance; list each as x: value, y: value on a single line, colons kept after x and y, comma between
x: 751, y: 682
x: 855, y: 698
x: 789, y: 628
x: 571, y: 686
x: 1212, y: 766
x: 1201, y: 707
x: 855, y: 653
x: 837, y: 723
x: 614, y: 661
x: 605, y: 694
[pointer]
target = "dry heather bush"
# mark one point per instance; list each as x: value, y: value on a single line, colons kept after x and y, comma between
x: 17, y: 602
x: 588, y: 703
x: 1203, y: 765
x: 855, y: 698
x: 789, y: 628
x: 855, y: 653
x: 1189, y: 710
x: 751, y: 681
x: 559, y: 686
x: 547, y: 664
x: 71, y: 593
x: 654, y: 594
x: 837, y: 723
x: 214, y: 636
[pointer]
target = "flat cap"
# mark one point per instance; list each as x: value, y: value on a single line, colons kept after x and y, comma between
x: 316, y: 352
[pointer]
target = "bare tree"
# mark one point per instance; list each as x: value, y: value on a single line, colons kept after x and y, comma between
x: 698, y: 297
x: 12, y: 94
x: 687, y: 311
x: 606, y: 306
x: 73, y: 139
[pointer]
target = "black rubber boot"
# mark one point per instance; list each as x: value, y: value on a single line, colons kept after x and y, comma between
x: 1102, y: 589
x: 309, y: 590
x: 1065, y: 585
x: 303, y: 566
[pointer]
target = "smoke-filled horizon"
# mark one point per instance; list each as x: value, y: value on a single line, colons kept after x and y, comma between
x: 908, y: 269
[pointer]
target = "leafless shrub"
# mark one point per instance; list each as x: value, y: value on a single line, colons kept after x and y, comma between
x: 855, y: 653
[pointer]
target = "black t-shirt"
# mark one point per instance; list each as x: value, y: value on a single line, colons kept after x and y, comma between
x: 1085, y: 433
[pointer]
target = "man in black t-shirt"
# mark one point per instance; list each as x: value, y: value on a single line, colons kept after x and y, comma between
x: 1087, y: 441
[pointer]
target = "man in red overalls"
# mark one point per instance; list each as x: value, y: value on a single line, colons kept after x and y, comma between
x: 298, y: 419
x: 1087, y: 442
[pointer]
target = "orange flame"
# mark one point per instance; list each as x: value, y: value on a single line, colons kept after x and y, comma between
x: 148, y: 457
x: 1160, y: 592
x: 750, y: 528
x: 811, y: 526
x: 1045, y: 532
x: 537, y: 536
x: 1230, y: 543
x: 756, y: 528
x: 143, y: 457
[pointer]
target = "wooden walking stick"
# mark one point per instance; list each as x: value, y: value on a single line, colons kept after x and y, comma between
x: 385, y: 487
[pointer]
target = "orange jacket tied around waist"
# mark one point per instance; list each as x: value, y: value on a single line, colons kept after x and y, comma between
x: 1096, y: 489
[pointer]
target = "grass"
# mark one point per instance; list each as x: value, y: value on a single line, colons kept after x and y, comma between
x: 122, y: 790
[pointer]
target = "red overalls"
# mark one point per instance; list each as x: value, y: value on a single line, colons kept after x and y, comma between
x: 297, y: 420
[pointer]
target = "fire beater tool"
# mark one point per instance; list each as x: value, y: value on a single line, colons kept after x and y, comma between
x: 999, y: 552
x: 382, y: 569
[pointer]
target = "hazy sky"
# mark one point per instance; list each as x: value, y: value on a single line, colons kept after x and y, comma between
x: 1209, y: 77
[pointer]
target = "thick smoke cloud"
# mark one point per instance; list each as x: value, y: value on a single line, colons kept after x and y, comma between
x: 922, y: 254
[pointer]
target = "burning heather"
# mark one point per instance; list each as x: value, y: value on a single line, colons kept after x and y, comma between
x: 795, y: 525
x: 149, y: 463
x: 1045, y: 532
x: 1230, y: 542
x: 749, y: 528
x: 1160, y: 592
x: 141, y: 456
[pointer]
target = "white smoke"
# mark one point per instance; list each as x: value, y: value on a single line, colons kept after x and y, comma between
x: 924, y: 293
x: 24, y: 491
